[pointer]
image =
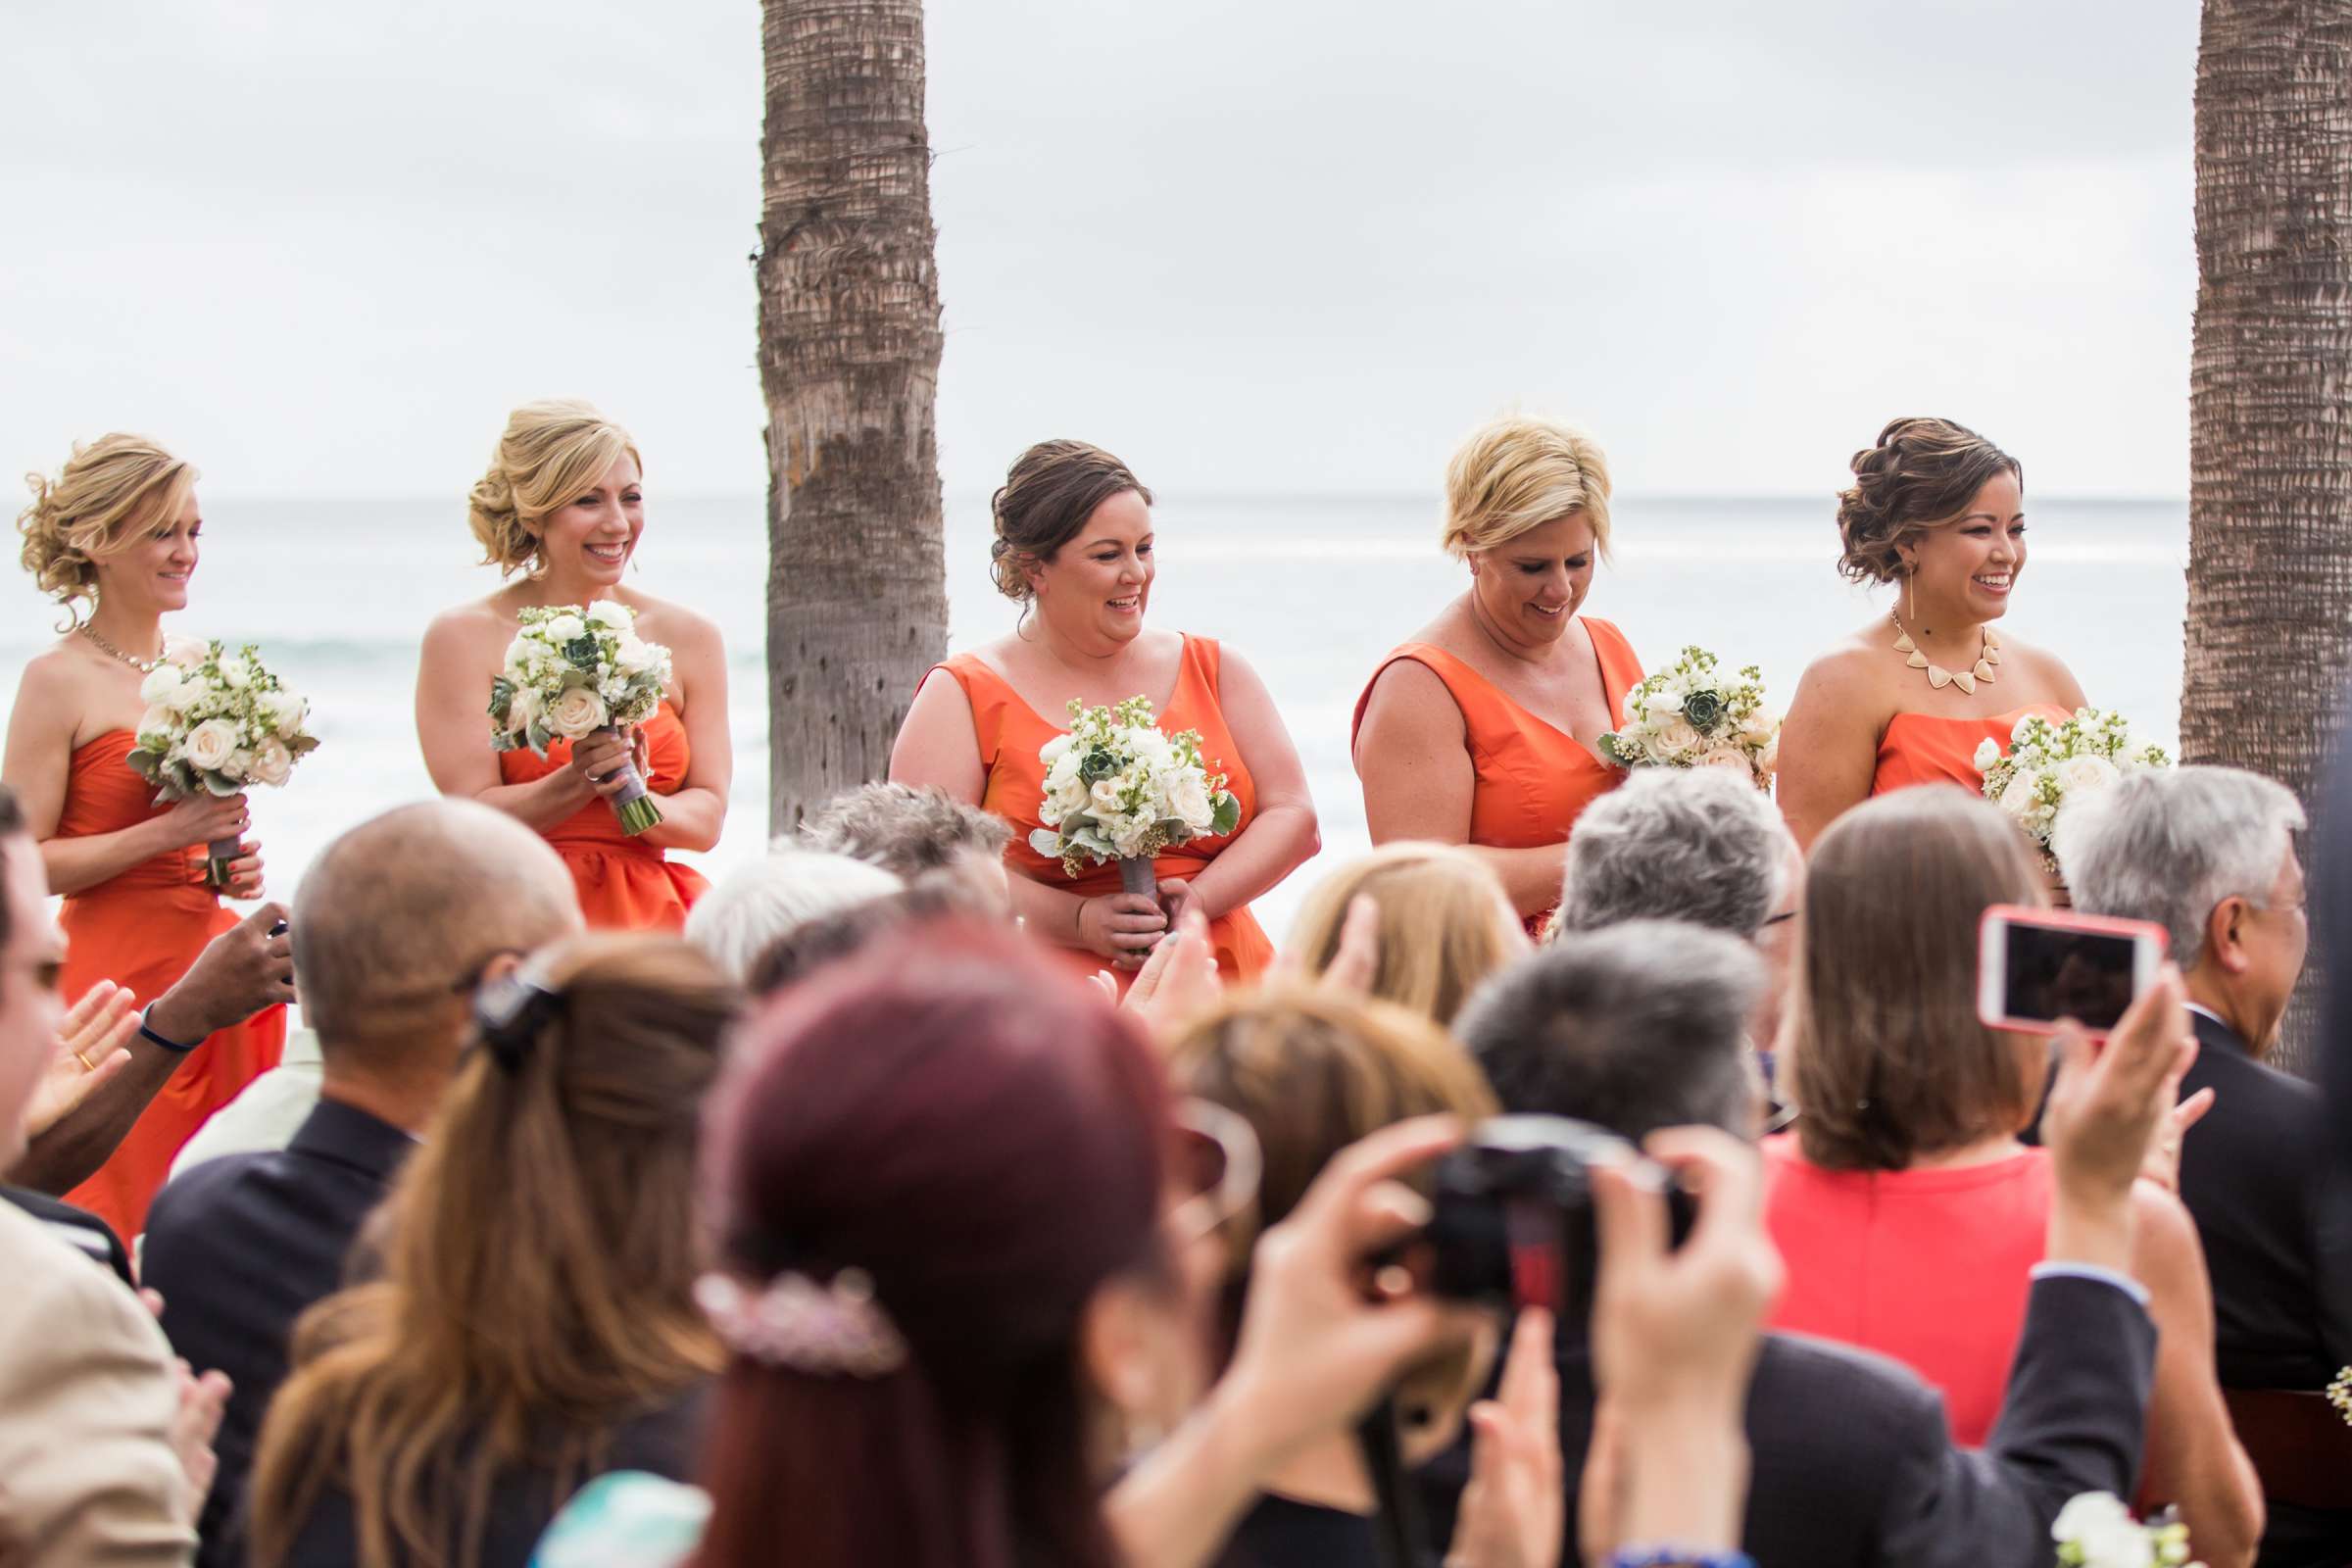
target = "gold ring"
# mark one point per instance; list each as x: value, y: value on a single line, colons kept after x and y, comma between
x: 87, y: 1065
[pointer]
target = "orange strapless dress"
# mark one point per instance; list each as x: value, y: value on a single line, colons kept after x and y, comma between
x: 1931, y: 748
x: 1534, y: 779
x: 1010, y: 734
x: 625, y: 884
x: 143, y: 929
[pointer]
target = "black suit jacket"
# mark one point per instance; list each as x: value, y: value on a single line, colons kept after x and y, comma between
x: 1853, y: 1459
x: 240, y: 1246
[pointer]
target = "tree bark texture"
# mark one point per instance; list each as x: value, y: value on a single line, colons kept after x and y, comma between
x: 848, y: 363
x: 2269, y: 556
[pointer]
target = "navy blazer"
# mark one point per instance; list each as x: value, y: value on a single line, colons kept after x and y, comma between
x: 240, y: 1246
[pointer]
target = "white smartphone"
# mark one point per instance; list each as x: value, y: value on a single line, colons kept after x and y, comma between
x: 2035, y: 968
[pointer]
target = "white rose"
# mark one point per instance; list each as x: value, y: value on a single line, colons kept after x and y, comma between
x: 235, y: 673
x: 287, y: 712
x: 209, y: 745
x: 2085, y: 775
x: 156, y: 721
x: 161, y: 688
x: 1987, y: 754
x: 611, y: 612
x: 1104, y: 798
x: 2017, y: 799
x: 186, y: 652
x: 1128, y: 834
x: 522, y: 708
x: 1673, y: 738
x: 1189, y: 800
x: 521, y: 652
x: 1054, y: 749
x: 562, y: 629
x: 272, y: 763
x: 1727, y: 756
x: 577, y: 712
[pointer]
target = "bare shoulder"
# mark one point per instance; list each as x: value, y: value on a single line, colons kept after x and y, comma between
x: 473, y: 624
x: 1851, y: 670
x: 672, y: 624
x: 1408, y: 696
x: 56, y: 676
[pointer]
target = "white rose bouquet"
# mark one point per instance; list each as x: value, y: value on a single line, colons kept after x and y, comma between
x: 1119, y: 788
x: 218, y: 723
x: 1689, y: 715
x: 2048, y: 765
x: 573, y: 671
x: 2094, y: 1529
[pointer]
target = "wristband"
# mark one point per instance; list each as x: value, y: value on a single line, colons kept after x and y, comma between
x: 1677, y: 1557
x: 173, y: 1046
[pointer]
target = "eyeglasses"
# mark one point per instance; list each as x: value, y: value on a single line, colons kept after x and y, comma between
x: 1776, y: 919
x: 1216, y: 1166
x: 470, y: 981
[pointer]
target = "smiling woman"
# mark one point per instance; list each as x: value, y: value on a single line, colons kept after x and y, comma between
x: 1074, y: 547
x: 1940, y: 511
x: 1482, y: 729
x: 561, y: 510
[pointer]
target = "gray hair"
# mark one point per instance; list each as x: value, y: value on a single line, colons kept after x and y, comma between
x: 1637, y: 1027
x: 735, y: 922
x: 2168, y: 845
x: 1671, y: 844
x: 905, y: 830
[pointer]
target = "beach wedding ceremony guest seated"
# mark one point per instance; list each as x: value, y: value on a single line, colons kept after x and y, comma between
x: 2209, y: 854
x: 1908, y: 699
x: 1444, y: 924
x: 561, y: 514
x: 1483, y: 728
x: 915, y: 833
x: 1910, y: 1212
x: 754, y: 905
x: 394, y: 920
x: 900, y: 1395
x: 118, y: 531
x: 1643, y: 1026
x: 527, y: 1320
x: 1697, y: 845
x: 104, y: 1442
x: 1075, y: 548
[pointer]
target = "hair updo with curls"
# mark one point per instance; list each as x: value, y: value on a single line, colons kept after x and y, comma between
x: 1053, y: 488
x: 1922, y: 474
x: 109, y: 492
x: 551, y: 452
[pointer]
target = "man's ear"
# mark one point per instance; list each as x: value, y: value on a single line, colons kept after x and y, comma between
x: 2225, y: 935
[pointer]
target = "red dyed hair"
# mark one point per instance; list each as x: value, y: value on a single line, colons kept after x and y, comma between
x: 983, y: 1137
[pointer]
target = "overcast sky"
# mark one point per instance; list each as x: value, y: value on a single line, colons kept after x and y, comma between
x: 1249, y: 244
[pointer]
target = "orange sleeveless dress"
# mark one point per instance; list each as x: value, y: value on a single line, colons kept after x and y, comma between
x: 1534, y: 779
x: 1931, y: 748
x: 624, y: 884
x: 1010, y: 734
x: 143, y: 929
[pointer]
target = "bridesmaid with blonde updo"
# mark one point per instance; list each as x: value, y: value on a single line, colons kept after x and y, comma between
x: 1482, y: 731
x: 118, y: 529
x: 560, y: 512
x: 1908, y: 699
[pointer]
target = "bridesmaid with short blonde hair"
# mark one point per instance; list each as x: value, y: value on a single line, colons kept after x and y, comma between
x: 559, y: 515
x: 1483, y: 728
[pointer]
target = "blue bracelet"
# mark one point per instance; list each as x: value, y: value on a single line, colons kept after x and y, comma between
x: 1678, y: 1557
x: 173, y: 1046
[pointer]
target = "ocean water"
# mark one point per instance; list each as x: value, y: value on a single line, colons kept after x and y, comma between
x: 1312, y: 590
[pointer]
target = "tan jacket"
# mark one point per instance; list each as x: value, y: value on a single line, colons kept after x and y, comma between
x: 87, y: 1394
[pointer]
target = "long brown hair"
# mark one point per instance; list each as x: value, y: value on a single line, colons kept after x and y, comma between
x: 538, y: 1267
x: 1890, y: 1060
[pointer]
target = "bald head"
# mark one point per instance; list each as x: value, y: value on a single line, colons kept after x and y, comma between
x: 399, y: 912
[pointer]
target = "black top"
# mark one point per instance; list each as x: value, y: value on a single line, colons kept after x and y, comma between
x: 240, y: 1246
x: 665, y: 1441
x: 1852, y: 1463
x: 78, y: 1228
x: 1284, y: 1532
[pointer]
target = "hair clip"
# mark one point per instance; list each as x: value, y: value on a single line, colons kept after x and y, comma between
x: 509, y: 1012
x: 826, y: 1330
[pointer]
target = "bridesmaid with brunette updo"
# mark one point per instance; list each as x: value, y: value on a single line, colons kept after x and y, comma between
x: 1908, y: 699
x: 1482, y: 731
x: 118, y: 529
x: 564, y: 507
x: 1074, y: 549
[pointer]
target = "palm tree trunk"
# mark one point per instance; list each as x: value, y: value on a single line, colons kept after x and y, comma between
x: 2270, y: 554
x: 849, y: 362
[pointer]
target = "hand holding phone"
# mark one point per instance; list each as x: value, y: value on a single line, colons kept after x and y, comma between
x: 2037, y: 968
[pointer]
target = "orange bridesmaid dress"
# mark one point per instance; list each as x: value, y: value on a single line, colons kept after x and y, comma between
x: 1012, y: 733
x: 1931, y: 748
x: 625, y: 884
x: 143, y: 929
x: 1534, y: 779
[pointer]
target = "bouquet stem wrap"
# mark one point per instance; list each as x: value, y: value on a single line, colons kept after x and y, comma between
x: 217, y: 855
x: 1136, y: 876
x: 634, y: 803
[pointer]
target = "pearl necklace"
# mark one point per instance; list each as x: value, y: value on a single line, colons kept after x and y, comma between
x: 145, y: 666
x: 1940, y: 677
